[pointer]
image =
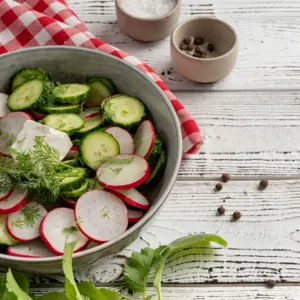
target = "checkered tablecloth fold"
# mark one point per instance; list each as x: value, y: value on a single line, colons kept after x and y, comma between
x: 30, y: 23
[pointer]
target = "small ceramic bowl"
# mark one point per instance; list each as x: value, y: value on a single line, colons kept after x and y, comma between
x: 147, y: 29
x: 205, y: 69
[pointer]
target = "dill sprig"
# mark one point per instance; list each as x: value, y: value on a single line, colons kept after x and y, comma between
x: 47, y: 98
x: 36, y: 170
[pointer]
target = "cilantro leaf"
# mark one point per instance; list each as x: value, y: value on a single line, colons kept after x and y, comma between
x: 89, y: 290
x: 53, y: 296
x: 71, y: 290
x: 13, y: 287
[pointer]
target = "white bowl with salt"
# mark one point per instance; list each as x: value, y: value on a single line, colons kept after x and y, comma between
x: 148, y: 20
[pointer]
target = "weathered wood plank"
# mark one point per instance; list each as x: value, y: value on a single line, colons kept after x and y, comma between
x: 264, y: 244
x: 268, y: 32
x: 218, y: 292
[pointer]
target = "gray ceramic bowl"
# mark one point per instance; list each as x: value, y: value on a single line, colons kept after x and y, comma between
x: 74, y: 64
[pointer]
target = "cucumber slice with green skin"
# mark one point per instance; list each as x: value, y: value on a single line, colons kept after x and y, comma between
x: 26, y: 95
x: 5, y: 238
x: 26, y: 75
x: 106, y: 81
x: 68, y: 123
x: 99, y: 91
x: 62, y: 109
x: 72, y: 179
x: 78, y: 192
x: 124, y: 111
x: 96, y: 146
x: 71, y: 93
x: 90, y: 124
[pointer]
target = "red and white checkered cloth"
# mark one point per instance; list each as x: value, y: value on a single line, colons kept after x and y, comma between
x: 29, y: 23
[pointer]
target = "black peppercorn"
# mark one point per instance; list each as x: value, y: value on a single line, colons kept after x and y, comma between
x: 236, y: 216
x: 197, y: 55
x: 198, y: 50
x: 169, y: 72
x: 163, y: 73
x: 183, y: 46
x: 190, y: 47
x: 187, y: 40
x: 199, y: 40
x: 263, y: 184
x: 270, y: 283
x: 221, y: 210
x: 210, y: 47
x: 225, y: 177
x: 219, y: 186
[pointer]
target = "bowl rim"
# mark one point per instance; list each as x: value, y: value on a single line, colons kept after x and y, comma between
x: 163, y: 17
x: 154, y: 209
x: 225, y: 24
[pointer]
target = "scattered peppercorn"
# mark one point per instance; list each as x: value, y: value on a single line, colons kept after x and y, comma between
x: 219, y: 186
x: 225, y: 177
x: 210, y: 47
x: 221, y: 210
x: 169, y: 72
x: 236, y: 216
x: 187, y: 40
x: 163, y: 73
x: 199, y: 40
x: 270, y: 284
x: 263, y: 184
x: 183, y: 46
x: 190, y: 47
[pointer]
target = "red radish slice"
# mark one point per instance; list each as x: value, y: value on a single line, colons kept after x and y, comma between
x: 10, y: 126
x: 37, y: 115
x: 24, y: 224
x: 101, y: 216
x: 134, y: 216
x: 144, y: 139
x: 4, y: 110
x: 57, y: 227
x: 33, y: 249
x: 124, y: 139
x: 133, y: 198
x: 90, y: 112
x: 123, y: 171
x: 14, y: 202
x: 5, y: 178
x: 73, y: 152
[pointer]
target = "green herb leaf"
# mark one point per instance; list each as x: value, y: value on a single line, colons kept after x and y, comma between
x: 53, y: 296
x: 13, y: 287
x: 89, y: 290
x: 71, y: 290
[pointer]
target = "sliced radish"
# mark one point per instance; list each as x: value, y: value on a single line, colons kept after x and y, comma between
x: 33, y: 249
x: 73, y: 152
x: 10, y: 126
x: 124, y: 139
x: 37, y: 115
x: 144, y: 139
x: 101, y: 216
x: 24, y: 224
x: 123, y: 171
x: 133, y: 198
x: 14, y: 202
x: 134, y: 216
x: 4, y: 110
x: 7, y: 181
x: 57, y: 227
x: 90, y: 112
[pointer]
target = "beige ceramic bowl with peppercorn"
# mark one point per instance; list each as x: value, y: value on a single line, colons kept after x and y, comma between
x: 204, y: 49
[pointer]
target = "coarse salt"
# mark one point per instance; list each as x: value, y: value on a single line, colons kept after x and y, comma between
x: 148, y: 8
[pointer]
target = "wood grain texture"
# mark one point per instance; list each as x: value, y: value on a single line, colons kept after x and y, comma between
x: 264, y: 244
x: 217, y: 292
x: 268, y: 33
x: 246, y: 134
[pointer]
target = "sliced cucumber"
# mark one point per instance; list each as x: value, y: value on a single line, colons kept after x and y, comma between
x: 94, y: 184
x: 68, y: 123
x: 26, y: 75
x: 26, y: 95
x: 72, y: 179
x: 62, y: 109
x: 71, y: 93
x: 97, y: 146
x: 123, y: 110
x: 73, y: 162
x: 78, y: 192
x: 99, y: 91
x: 5, y: 238
x: 106, y: 81
x: 90, y: 124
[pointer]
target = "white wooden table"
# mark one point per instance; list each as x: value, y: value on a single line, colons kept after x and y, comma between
x: 251, y: 125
